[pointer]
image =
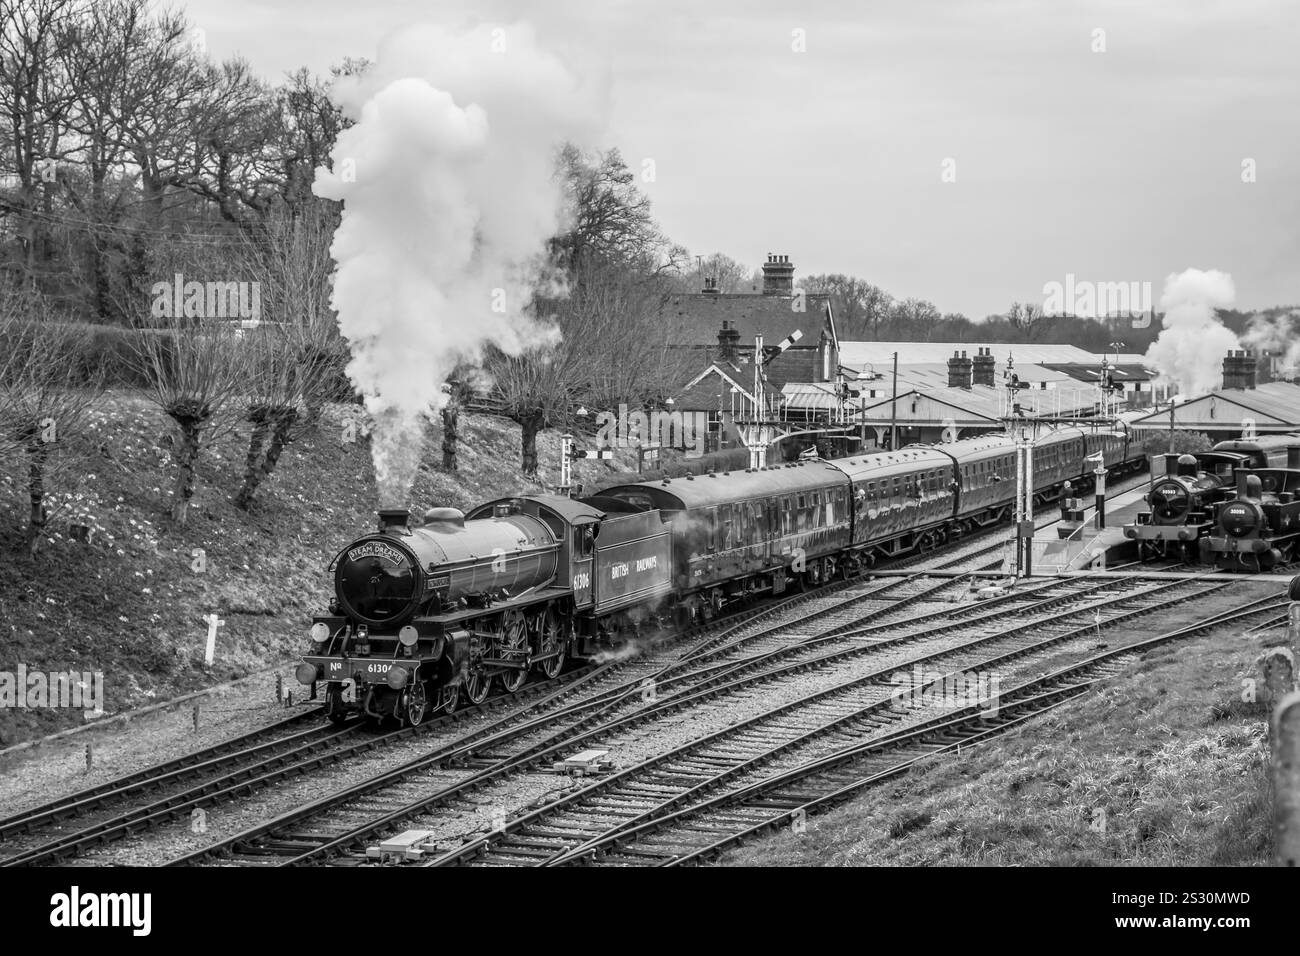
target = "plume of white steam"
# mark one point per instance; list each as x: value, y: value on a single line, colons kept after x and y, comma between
x: 449, y: 194
x: 1188, y: 355
x: 1279, y: 336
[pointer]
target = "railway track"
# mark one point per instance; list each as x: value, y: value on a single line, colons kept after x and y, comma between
x: 556, y: 727
x: 701, y: 832
x: 238, y: 766
x: 691, y: 801
x: 264, y: 757
x: 165, y: 792
x: 336, y: 827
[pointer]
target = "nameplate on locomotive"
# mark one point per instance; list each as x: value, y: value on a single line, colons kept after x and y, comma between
x: 376, y: 549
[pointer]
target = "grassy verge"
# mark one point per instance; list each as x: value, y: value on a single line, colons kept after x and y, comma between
x: 1163, y: 765
x: 133, y: 601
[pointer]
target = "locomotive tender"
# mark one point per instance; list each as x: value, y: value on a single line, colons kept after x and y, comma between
x: 1182, y: 504
x: 423, y: 615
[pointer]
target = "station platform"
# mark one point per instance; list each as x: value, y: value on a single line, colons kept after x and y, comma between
x: 1089, y: 548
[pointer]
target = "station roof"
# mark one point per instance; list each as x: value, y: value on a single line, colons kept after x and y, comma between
x: 1275, y: 406
x: 880, y: 355
x: 980, y: 405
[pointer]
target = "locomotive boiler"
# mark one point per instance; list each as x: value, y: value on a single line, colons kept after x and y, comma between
x: 398, y: 625
x: 1259, y: 529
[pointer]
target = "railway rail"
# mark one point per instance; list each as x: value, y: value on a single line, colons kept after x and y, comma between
x: 310, y: 835
x: 691, y: 801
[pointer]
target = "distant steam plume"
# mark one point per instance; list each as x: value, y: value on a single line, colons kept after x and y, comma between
x: 449, y: 194
x: 1189, y: 352
x: 1279, y: 336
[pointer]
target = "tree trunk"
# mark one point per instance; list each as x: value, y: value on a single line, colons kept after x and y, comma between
x: 186, y: 455
x: 278, y: 423
x: 450, y: 434
x: 261, y: 419
x: 531, y: 425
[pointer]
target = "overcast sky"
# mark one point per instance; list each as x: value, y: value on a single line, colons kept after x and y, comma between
x: 1122, y: 165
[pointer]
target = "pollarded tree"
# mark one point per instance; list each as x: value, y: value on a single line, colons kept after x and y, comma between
x: 47, y: 388
x: 196, y: 369
x: 537, y: 389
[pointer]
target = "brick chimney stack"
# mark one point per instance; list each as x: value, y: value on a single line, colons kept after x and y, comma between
x: 728, y: 339
x: 959, y: 371
x: 1239, y: 369
x: 778, y: 275
x: 710, y: 286
x: 984, y: 367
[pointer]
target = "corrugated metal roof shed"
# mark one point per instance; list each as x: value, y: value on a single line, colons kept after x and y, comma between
x: 857, y: 355
x: 1275, y: 405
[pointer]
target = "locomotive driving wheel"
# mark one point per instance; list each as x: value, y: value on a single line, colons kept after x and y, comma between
x: 550, y: 644
x: 513, y: 646
x: 477, y: 685
x: 449, y: 698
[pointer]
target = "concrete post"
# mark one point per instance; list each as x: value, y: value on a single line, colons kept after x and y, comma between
x: 1278, y: 665
x: 1286, y: 780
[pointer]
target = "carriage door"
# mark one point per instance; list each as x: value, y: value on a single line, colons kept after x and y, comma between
x: 581, y: 566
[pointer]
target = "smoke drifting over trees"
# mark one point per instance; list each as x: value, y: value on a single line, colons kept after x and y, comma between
x: 449, y: 197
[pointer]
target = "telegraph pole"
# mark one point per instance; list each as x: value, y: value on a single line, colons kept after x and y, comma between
x: 893, y: 410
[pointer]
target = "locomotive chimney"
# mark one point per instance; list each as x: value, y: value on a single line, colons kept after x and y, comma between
x: 394, y: 520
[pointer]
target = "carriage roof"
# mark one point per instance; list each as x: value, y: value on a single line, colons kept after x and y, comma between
x: 704, y: 491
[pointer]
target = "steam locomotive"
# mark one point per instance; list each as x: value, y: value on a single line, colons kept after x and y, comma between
x: 423, y: 616
x: 1182, y: 503
x: 1259, y: 529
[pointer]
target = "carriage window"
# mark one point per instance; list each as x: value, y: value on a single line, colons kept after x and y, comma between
x: 711, y: 518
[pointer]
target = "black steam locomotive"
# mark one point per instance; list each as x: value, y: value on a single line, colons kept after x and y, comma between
x: 1259, y: 529
x: 423, y: 615
x: 1182, y: 503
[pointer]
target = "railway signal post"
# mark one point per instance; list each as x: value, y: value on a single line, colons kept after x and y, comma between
x: 1099, y: 473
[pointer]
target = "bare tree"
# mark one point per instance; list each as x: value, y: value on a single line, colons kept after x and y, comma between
x: 536, y: 389
x: 730, y: 275
x: 859, y: 306
x: 34, y: 102
x: 460, y: 389
x: 195, y: 371
x: 295, y: 358
x: 276, y: 405
x: 46, y: 392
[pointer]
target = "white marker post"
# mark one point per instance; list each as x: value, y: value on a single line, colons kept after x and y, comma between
x: 210, y: 651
